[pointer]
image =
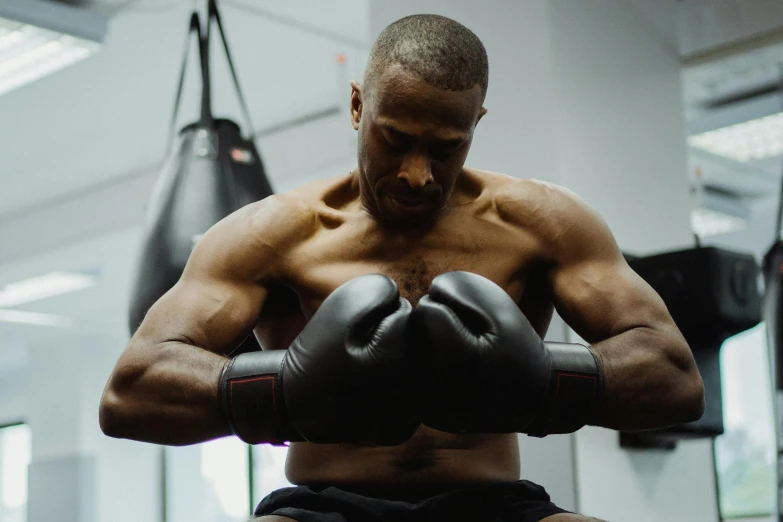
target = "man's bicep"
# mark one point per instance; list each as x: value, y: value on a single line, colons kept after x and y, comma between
x: 594, y: 289
x: 217, y: 301
x: 600, y: 298
x: 209, y: 313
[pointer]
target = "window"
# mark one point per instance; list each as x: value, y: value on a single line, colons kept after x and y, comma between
x: 208, y: 482
x: 211, y: 482
x: 268, y: 470
x: 14, y: 460
x: 745, y: 453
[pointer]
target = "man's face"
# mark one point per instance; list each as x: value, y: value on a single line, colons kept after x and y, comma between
x: 413, y: 141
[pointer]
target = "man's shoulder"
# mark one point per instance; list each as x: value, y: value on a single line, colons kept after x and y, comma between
x: 565, y: 225
x: 556, y: 216
x: 291, y: 216
x: 278, y: 219
x: 528, y: 200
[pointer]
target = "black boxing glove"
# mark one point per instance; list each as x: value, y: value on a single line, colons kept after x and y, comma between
x: 343, y: 380
x: 482, y: 368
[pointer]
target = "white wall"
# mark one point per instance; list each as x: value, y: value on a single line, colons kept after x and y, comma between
x: 620, y: 131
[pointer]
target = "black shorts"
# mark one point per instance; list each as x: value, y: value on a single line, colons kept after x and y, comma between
x: 520, y: 501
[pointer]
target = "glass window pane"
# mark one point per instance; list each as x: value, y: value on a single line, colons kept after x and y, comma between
x: 268, y: 470
x: 745, y: 453
x: 14, y: 460
x: 208, y: 482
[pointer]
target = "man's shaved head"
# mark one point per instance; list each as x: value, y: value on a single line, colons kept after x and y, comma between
x: 436, y: 49
x: 422, y: 98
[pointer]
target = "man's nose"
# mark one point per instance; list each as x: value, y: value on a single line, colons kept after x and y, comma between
x: 416, y: 171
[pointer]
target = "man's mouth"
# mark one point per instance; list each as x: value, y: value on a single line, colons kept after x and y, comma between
x: 408, y: 206
x: 408, y: 202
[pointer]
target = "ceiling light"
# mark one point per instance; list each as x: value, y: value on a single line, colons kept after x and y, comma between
x: 742, y: 131
x: 751, y: 140
x: 32, y: 318
x: 706, y: 222
x: 41, y: 287
x: 39, y: 37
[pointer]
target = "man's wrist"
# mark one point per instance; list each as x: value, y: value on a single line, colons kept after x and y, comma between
x: 250, y: 395
x: 575, y: 390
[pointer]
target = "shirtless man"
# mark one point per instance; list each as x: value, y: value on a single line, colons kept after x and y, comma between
x: 401, y: 309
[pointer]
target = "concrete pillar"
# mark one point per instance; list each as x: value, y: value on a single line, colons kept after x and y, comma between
x: 76, y: 473
x: 62, y: 470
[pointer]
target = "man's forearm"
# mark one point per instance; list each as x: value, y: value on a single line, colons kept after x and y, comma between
x: 165, y: 394
x: 650, y: 381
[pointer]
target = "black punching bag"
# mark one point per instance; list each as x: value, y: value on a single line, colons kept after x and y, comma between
x: 210, y: 172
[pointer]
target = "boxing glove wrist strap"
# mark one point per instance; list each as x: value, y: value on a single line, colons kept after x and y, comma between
x: 250, y: 394
x: 575, y: 389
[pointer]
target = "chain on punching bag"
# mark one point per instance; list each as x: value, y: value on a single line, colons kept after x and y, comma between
x: 210, y: 171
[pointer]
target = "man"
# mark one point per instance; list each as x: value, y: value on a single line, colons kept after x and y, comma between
x: 401, y: 308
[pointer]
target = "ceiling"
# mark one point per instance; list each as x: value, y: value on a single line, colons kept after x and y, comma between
x: 732, y: 54
x: 108, y: 116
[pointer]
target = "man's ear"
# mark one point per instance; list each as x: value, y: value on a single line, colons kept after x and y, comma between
x: 482, y: 112
x: 356, y: 104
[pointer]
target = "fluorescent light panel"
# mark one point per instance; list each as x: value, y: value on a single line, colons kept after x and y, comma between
x: 28, y: 53
x: 42, y: 287
x: 39, y: 37
x: 36, y: 319
x: 706, y: 222
x: 759, y: 138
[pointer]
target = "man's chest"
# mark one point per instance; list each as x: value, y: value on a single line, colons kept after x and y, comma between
x: 412, y: 261
x: 334, y: 257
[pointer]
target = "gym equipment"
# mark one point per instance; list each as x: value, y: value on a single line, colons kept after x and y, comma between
x: 211, y: 170
x: 712, y: 294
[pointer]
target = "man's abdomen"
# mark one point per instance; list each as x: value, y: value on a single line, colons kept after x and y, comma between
x: 430, y: 460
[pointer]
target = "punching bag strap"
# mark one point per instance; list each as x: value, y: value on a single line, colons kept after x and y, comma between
x: 214, y: 13
x: 195, y: 27
x: 206, y: 83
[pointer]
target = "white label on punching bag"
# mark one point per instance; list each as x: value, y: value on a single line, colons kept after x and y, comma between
x: 243, y: 156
